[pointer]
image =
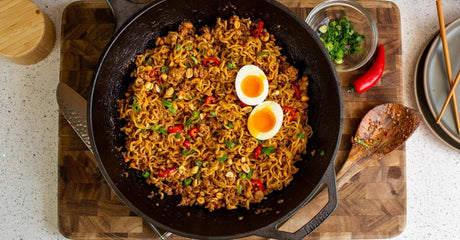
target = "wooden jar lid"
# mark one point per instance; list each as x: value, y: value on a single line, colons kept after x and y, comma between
x: 26, y: 34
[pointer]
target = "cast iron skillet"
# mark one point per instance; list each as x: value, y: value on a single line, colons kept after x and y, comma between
x: 138, y: 25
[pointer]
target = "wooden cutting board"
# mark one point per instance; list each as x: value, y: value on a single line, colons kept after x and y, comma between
x: 371, y: 205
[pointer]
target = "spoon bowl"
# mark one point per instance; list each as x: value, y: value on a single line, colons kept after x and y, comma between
x: 383, y: 129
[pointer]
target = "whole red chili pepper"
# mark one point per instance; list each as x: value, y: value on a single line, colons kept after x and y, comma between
x: 186, y: 144
x: 211, y: 62
x: 256, y: 32
x: 297, y: 91
x: 257, y: 185
x: 210, y: 100
x: 175, y: 129
x: 163, y: 174
x: 290, y: 112
x: 193, y: 132
x: 257, y: 152
x: 372, y: 76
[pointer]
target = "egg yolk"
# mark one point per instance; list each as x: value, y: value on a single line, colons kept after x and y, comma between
x: 261, y: 121
x: 252, y: 86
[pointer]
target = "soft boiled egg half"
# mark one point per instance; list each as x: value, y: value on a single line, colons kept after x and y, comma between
x: 251, y: 85
x: 265, y: 120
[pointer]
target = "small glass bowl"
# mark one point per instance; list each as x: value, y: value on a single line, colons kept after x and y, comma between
x: 359, y: 17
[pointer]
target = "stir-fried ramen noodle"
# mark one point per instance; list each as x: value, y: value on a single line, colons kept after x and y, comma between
x: 186, y: 130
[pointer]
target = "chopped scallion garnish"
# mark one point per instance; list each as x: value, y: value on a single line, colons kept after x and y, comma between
x: 223, y: 158
x: 268, y: 150
x: 164, y: 69
x: 187, y: 181
x: 145, y: 174
x: 229, y: 144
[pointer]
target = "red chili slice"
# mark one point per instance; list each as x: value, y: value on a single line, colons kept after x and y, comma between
x: 257, y: 152
x: 193, y: 132
x: 187, y: 144
x: 153, y: 74
x: 257, y: 185
x: 175, y: 129
x: 210, y: 100
x: 211, y: 62
x: 256, y: 32
x: 163, y: 174
x: 297, y: 91
x: 290, y: 112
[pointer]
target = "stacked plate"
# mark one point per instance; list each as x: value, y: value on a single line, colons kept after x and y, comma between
x: 432, y: 86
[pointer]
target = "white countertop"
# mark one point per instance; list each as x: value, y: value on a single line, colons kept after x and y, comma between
x: 29, y: 138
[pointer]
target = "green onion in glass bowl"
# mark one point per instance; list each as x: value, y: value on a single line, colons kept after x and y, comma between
x: 348, y: 32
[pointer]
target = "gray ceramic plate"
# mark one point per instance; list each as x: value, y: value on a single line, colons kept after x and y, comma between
x: 423, y: 104
x: 436, y: 85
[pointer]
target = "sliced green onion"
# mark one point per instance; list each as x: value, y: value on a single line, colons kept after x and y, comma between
x: 178, y: 46
x: 167, y: 103
x: 223, y: 158
x: 188, y: 47
x: 155, y: 127
x: 186, y: 152
x: 188, y: 123
x: 136, y: 107
x: 177, y: 135
x: 242, y: 175
x: 172, y: 110
x: 340, y: 39
x: 229, y: 144
x: 322, y: 153
x: 146, y: 174
x: 212, y: 113
x: 249, y: 176
x: 195, y: 114
x: 357, y: 140
x: 261, y: 54
x: 132, y: 100
x: 163, y: 131
x: 300, y: 135
x: 198, y: 175
x: 164, y: 69
x: 194, y: 59
x: 147, y: 58
x: 231, y: 65
x: 239, y: 188
x: 230, y: 125
x: 198, y: 163
x: 268, y: 150
x: 187, y: 181
x: 323, y: 29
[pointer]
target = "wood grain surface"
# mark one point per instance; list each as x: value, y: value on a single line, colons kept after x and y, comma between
x: 371, y: 205
x: 27, y: 35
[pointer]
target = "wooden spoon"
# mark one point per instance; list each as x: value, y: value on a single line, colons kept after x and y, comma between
x: 382, y: 130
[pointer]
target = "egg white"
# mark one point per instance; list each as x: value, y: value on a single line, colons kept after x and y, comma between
x: 249, y: 70
x: 277, y: 111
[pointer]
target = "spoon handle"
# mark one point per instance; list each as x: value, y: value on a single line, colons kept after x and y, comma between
x: 358, y: 158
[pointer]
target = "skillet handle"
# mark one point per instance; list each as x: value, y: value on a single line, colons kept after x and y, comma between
x: 123, y: 10
x: 329, y: 180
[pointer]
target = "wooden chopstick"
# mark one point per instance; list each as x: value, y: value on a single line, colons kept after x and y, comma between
x: 447, y: 60
x: 451, y: 94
